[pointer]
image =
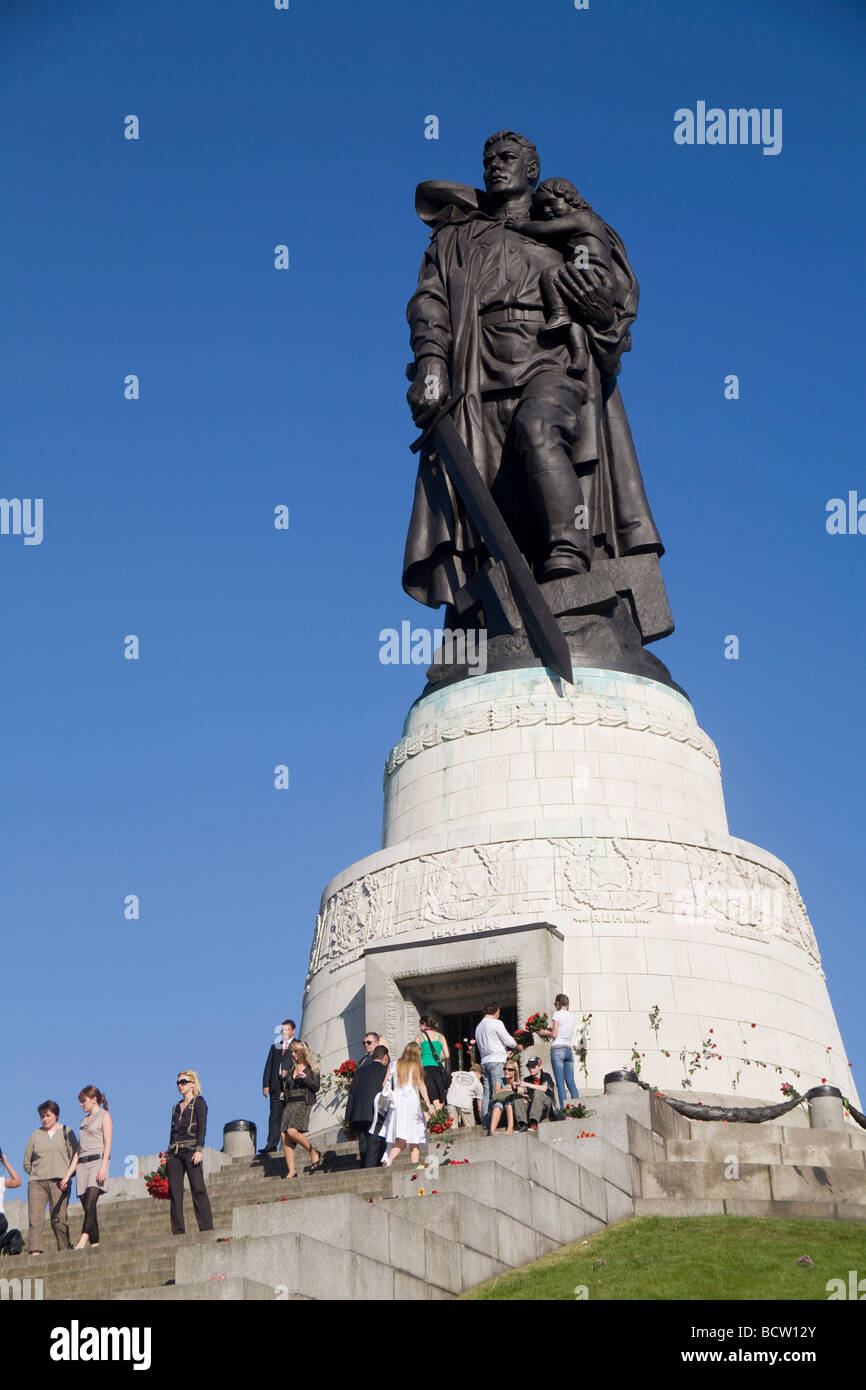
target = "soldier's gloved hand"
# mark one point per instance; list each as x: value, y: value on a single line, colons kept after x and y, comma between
x: 430, y: 389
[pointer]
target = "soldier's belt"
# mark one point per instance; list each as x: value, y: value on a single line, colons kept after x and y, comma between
x: 513, y: 314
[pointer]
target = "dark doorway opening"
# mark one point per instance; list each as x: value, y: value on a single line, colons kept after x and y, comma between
x: 460, y: 1028
x: 457, y: 1001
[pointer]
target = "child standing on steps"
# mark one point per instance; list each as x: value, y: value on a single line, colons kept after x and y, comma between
x: 405, y: 1123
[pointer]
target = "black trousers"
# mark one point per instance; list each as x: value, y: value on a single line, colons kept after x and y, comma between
x: 274, y: 1121
x: 175, y: 1166
x: 370, y: 1147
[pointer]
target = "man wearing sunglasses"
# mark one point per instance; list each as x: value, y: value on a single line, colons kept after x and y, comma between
x: 365, y: 1087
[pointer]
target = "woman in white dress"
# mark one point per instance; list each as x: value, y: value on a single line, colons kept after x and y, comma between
x: 405, y: 1123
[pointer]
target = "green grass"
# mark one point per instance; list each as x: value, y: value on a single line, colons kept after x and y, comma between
x: 690, y: 1257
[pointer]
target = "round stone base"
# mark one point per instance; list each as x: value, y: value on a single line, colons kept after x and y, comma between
x: 539, y: 842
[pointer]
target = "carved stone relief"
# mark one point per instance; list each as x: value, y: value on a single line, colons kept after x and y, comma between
x: 579, y: 709
x: 596, y: 880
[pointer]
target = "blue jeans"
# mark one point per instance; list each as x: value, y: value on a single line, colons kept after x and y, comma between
x: 491, y: 1080
x: 562, y: 1062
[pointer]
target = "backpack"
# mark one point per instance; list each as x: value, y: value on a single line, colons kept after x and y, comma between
x: 11, y: 1240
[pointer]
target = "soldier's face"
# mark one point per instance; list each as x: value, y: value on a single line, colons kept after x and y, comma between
x: 509, y: 171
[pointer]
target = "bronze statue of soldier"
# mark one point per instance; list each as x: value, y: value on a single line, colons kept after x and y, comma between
x: 544, y: 424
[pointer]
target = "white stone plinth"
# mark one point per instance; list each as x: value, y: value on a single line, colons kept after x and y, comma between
x: 511, y: 747
x: 577, y: 836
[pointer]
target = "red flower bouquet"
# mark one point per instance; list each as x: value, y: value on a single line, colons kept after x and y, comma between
x: 157, y: 1183
x: 345, y: 1072
x: 576, y: 1110
x: 438, y: 1121
x: 536, y: 1023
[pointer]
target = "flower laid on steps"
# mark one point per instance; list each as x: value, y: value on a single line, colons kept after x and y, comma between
x: 577, y: 1111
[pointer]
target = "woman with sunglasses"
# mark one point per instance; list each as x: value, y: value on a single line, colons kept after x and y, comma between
x: 185, y: 1153
x: 503, y: 1099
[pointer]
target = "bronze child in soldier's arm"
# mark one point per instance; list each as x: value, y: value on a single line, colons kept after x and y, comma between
x: 564, y: 219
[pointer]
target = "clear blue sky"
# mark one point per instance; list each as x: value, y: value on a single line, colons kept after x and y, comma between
x: 258, y: 388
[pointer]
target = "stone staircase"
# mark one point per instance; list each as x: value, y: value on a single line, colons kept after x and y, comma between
x: 137, y: 1250
x: 353, y: 1234
x: 758, y: 1170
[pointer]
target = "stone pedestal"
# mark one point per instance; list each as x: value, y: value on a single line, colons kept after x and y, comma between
x: 540, y: 838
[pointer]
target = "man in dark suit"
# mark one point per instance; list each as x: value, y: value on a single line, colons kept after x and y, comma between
x: 279, y: 1058
x: 360, y: 1106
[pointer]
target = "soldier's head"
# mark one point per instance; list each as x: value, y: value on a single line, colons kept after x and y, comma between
x: 511, y: 166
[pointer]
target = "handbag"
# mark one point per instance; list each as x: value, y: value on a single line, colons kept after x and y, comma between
x: 439, y: 1062
x: 383, y: 1099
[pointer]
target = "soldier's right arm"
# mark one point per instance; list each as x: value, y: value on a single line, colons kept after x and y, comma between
x: 431, y: 338
x: 428, y: 312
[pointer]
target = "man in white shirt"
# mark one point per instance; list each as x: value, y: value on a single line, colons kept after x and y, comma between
x: 493, y: 1042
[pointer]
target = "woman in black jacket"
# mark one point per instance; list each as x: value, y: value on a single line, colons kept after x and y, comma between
x: 299, y: 1092
x: 186, y: 1151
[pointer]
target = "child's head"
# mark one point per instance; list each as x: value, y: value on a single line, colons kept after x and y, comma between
x: 556, y: 198
x: 476, y: 1067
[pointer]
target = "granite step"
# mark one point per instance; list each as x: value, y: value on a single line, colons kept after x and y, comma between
x: 756, y: 1149
x: 734, y: 1180
x: 783, y: 1210
x: 99, y: 1274
x: 138, y: 1252
x: 774, y: 1132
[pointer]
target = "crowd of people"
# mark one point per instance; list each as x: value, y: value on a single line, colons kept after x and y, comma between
x: 390, y: 1102
x: 389, y: 1107
x: 55, y: 1155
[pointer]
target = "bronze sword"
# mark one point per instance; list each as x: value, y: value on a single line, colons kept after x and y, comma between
x: 541, y: 625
